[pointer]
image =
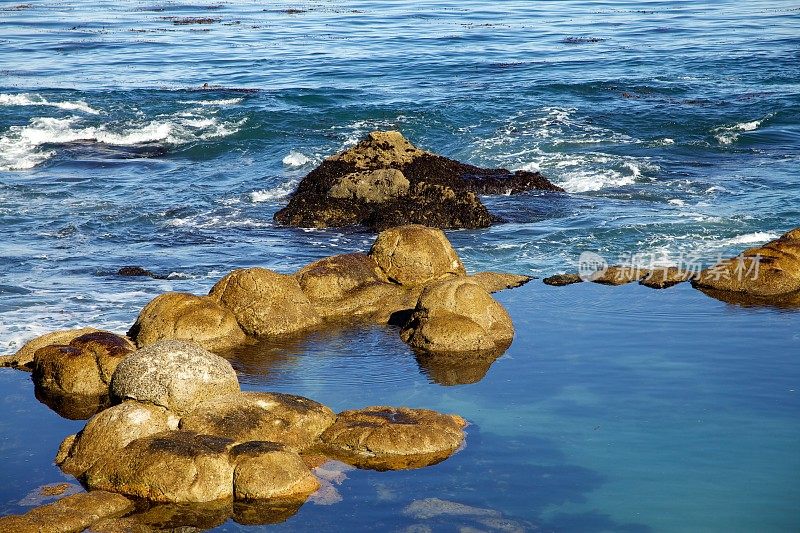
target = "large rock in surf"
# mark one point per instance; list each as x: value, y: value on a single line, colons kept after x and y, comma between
x: 765, y: 274
x: 386, y: 181
x: 393, y: 438
x: 109, y: 431
x: 290, y: 420
x: 23, y: 359
x: 69, y: 514
x: 265, y: 303
x: 177, y: 375
x: 415, y: 255
x: 82, y: 367
x: 183, y: 316
x: 458, y: 315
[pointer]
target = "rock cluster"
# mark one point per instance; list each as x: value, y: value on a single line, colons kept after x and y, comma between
x: 72, y: 513
x: 386, y: 181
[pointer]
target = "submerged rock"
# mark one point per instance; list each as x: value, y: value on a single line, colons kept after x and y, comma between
x: 82, y: 367
x: 265, y: 303
x: 293, y: 421
x: 765, y: 274
x: 177, y: 375
x: 23, y: 359
x: 415, y: 255
x: 69, y: 514
x: 386, y: 181
x: 393, y: 438
x: 183, y: 316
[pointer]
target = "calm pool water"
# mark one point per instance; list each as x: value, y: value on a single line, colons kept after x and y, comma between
x: 674, y: 127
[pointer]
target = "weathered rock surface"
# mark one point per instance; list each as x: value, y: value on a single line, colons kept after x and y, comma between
x: 177, y: 375
x: 109, y: 431
x: 498, y: 281
x: 386, y: 181
x: 172, y: 466
x: 389, y: 438
x: 82, y: 367
x: 265, y: 303
x: 559, y: 280
x: 23, y: 359
x: 293, y: 421
x: 415, y: 255
x: 68, y: 515
x: 458, y: 315
x: 665, y: 277
x: 619, y: 275
x: 764, y: 273
x: 267, y: 470
x: 183, y: 316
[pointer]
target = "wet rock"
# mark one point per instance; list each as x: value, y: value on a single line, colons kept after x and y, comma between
x: 262, y: 512
x: 265, y: 303
x: 291, y: 420
x: 108, y: 432
x: 172, y: 466
x: 23, y: 359
x: 619, y: 275
x: 183, y: 316
x: 270, y: 471
x: 389, y: 438
x: 73, y: 406
x: 69, y: 514
x: 458, y: 315
x: 169, y: 518
x: 177, y: 375
x: 415, y: 255
x: 763, y: 274
x: 559, y: 280
x: 137, y: 271
x: 82, y: 367
x: 665, y: 277
x: 386, y: 181
x: 498, y: 281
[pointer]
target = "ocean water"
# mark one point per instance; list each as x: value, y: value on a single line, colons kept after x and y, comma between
x: 674, y: 127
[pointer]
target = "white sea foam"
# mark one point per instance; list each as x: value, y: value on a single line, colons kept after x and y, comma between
x: 587, y: 172
x: 221, y: 102
x: 275, y: 193
x: 25, y: 99
x: 758, y: 237
x: 730, y: 134
x: 296, y: 159
x: 24, y: 147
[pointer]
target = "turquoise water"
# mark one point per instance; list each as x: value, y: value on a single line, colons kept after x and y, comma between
x: 674, y: 127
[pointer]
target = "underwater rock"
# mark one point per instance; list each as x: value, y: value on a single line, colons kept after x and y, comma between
x: 293, y: 421
x: 763, y: 274
x: 415, y: 255
x: 110, y: 431
x: 560, y: 280
x: 439, y: 514
x: 386, y: 181
x: 665, y: 277
x: 171, y: 466
x: 393, y: 438
x: 268, y: 470
x: 23, y: 359
x: 265, y: 303
x: 69, y: 514
x: 183, y: 316
x: 177, y: 375
x: 458, y: 315
x: 82, y: 367
x: 498, y: 281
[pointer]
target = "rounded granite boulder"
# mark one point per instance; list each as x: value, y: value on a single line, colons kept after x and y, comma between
x: 177, y: 375
x: 183, y: 316
x: 393, y: 438
x: 23, y: 358
x: 333, y: 278
x: 265, y: 303
x: 293, y: 421
x: 415, y: 255
x: 270, y: 471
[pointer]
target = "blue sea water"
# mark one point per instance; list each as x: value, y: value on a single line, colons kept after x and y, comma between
x: 674, y: 127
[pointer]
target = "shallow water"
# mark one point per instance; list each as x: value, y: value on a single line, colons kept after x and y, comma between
x: 672, y: 125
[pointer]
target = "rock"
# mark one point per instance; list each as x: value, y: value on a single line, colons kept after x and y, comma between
x: 265, y: 303
x: 137, y: 271
x: 389, y: 438
x: 763, y: 274
x: 73, y: 406
x: 450, y: 369
x: 172, y: 466
x: 151, y: 517
x: 498, y: 281
x: 559, y: 280
x: 23, y: 359
x: 458, y: 315
x: 386, y: 181
x: 433, y: 507
x: 619, y: 275
x: 177, y: 375
x: 415, y: 255
x: 261, y: 512
x: 82, y: 367
x: 108, y: 432
x: 290, y: 420
x: 665, y: 277
x: 69, y: 514
x: 183, y: 316
x: 269, y: 471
